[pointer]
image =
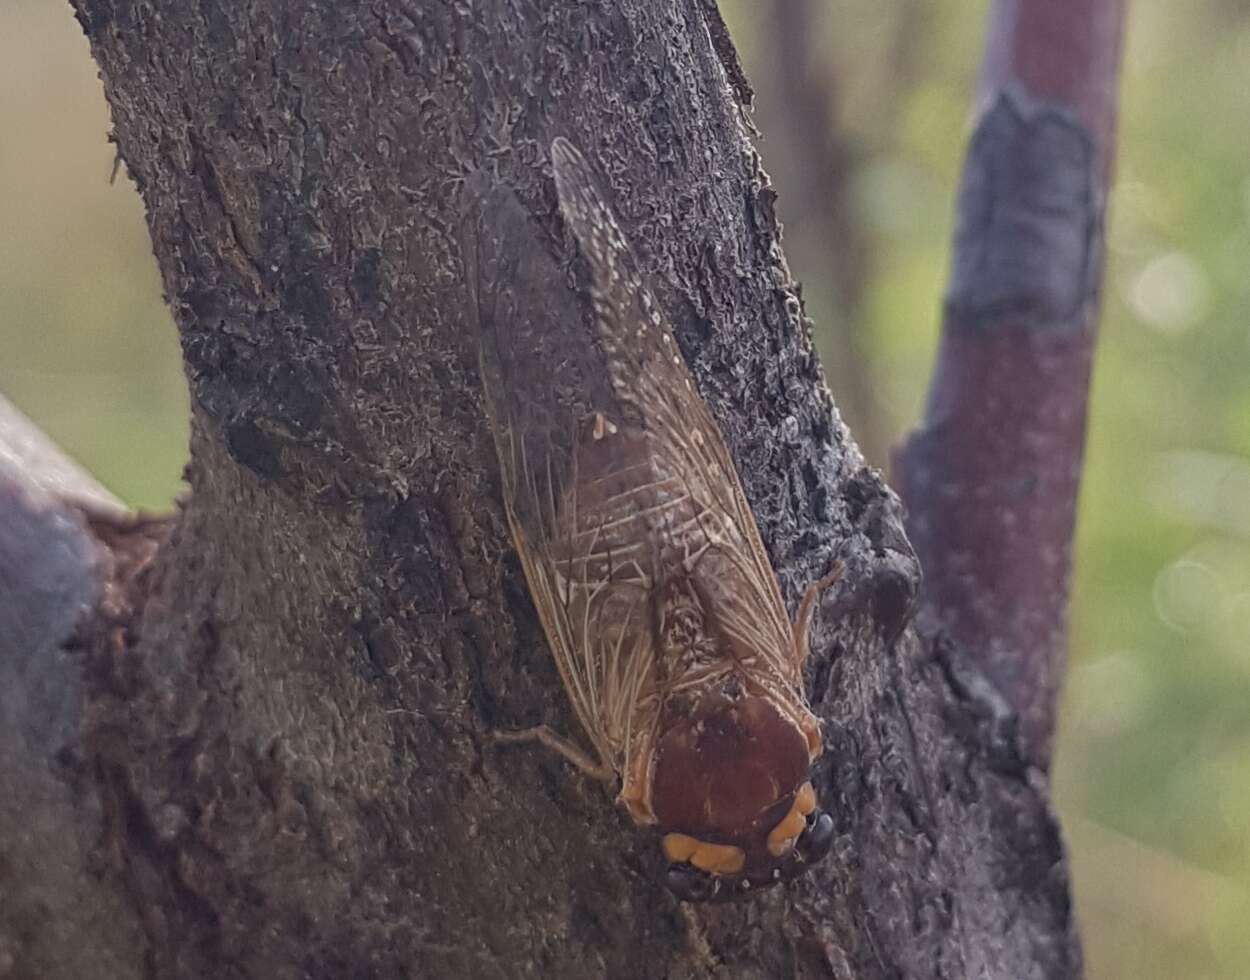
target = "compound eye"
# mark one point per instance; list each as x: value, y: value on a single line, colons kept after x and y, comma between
x: 817, y: 838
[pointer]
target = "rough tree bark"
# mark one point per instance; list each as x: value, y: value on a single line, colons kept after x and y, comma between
x: 816, y: 170
x: 817, y: 160
x: 264, y: 749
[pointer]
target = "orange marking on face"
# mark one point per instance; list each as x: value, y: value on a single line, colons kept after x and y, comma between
x: 815, y: 743
x: 719, y: 859
x: 781, y: 838
x: 679, y: 847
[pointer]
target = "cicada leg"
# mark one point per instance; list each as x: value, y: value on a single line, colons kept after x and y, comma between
x: 570, y: 751
x: 635, y: 793
x: 807, y: 608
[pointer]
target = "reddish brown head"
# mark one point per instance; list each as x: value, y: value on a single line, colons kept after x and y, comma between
x: 731, y: 795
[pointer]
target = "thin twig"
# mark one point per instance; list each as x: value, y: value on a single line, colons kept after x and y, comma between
x: 991, y: 477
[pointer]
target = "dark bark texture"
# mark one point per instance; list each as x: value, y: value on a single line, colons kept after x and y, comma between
x: 817, y: 169
x: 269, y: 753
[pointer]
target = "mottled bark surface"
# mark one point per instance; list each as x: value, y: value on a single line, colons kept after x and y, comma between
x: 279, y: 714
x: 817, y: 168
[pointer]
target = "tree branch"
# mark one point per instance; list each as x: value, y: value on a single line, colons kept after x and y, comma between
x: 287, y: 694
x: 35, y: 461
x: 991, y: 478
x: 58, y: 916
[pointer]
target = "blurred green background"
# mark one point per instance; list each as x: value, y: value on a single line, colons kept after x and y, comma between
x: 1153, y: 767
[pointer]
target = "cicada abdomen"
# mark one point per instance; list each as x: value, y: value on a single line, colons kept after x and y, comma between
x: 645, y: 562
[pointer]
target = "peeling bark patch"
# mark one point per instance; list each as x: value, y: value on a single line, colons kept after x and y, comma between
x: 1029, y: 222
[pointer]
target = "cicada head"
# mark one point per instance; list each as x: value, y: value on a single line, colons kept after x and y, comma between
x: 731, y: 795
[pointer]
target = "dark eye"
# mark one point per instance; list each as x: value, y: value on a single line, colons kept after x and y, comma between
x: 816, y: 839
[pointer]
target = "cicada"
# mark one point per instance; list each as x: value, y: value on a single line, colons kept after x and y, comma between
x: 643, y: 558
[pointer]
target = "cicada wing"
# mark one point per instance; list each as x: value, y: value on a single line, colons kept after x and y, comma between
x: 515, y: 294
x: 648, y: 371
x: 540, y: 395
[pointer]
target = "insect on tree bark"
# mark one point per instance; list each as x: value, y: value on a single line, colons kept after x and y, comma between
x: 642, y: 556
